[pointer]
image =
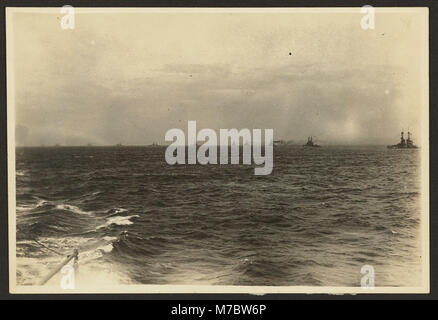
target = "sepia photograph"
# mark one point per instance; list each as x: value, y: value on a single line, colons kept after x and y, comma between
x: 218, y: 150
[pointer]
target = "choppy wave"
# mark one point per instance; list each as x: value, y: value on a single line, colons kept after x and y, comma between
x: 119, y: 221
x: 31, y: 206
x: 39, y: 257
x: 316, y: 220
x: 71, y: 208
x: 20, y: 173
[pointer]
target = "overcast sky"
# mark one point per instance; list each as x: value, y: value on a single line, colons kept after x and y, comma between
x: 129, y: 77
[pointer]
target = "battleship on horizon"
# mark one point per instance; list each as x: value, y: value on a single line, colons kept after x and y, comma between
x: 404, y: 143
x: 310, y: 143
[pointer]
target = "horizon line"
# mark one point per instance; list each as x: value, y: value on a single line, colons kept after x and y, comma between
x: 166, y: 145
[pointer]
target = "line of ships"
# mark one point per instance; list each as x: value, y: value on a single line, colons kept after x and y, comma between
x: 403, y: 144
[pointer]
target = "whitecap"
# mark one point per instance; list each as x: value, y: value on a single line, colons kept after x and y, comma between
x: 109, y: 239
x: 23, y: 208
x: 120, y: 221
x: 41, y: 203
x: 28, y: 207
x: 107, y: 248
x: 71, y: 208
x: 20, y: 173
x: 115, y: 211
x: 32, y: 267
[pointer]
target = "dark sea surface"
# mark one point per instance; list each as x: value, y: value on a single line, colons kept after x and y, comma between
x: 319, y: 217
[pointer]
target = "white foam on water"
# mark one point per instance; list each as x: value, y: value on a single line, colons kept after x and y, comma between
x: 41, y: 203
x: 107, y: 248
x: 115, y: 211
x: 24, y: 208
x: 28, y: 207
x: 87, y: 275
x: 92, y: 270
x: 20, y: 173
x: 71, y: 208
x: 110, y: 239
x: 120, y: 210
x: 120, y: 221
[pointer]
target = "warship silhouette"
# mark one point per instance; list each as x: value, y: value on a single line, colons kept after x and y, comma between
x: 404, y: 143
x: 310, y: 143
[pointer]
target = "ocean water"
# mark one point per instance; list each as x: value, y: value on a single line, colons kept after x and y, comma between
x: 319, y: 217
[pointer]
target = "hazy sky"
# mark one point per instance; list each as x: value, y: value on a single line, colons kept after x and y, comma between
x: 129, y: 77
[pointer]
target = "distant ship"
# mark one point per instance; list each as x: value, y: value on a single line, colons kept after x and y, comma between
x: 404, y: 144
x: 310, y: 143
